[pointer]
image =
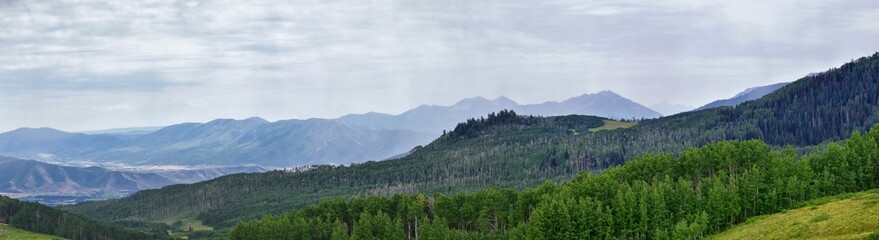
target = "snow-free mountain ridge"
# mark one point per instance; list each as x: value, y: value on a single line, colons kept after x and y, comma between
x: 744, y: 96
x: 435, y: 119
x: 288, y: 143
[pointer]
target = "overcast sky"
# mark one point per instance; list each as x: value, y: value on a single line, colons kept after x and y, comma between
x: 84, y: 65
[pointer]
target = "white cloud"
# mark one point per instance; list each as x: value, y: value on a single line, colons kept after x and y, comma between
x: 171, y: 61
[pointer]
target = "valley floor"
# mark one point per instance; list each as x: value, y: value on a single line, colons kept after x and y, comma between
x: 847, y: 216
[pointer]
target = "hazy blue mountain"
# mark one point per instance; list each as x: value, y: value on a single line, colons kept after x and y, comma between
x: 435, y: 119
x: 350, y: 139
x: 193, y: 143
x: 744, y: 96
x: 220, y: 142
x: 44, y: 143
x: 29, y: 177
x: 431, y: 118
x: 603, y: 104
x: 256, y: 141
x: 319, y: 141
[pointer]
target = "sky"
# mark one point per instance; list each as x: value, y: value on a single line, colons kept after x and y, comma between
x: 87, y: 65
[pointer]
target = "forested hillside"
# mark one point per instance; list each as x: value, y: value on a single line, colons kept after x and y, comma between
x: 702, y: 191
x: 38, y: 218
x: 225, y: 201
x: 523, y: 153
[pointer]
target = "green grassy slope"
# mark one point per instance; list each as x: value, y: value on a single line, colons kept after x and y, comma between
x: 816, y: 109
x: 847, y: 216
x: 10, y: 233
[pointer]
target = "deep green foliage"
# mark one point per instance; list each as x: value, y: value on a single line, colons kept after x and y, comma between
x: 704, y: 190
x: 38, y: 218
x: 473, y: 127
x: 519, y: 152
x: 158, y: 229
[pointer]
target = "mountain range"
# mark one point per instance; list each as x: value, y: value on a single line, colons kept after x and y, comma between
x: 21, y: 177
x: 289, y: 143
x: 435, y: 119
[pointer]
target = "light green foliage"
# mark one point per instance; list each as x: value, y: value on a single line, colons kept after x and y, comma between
x: 377, y: 227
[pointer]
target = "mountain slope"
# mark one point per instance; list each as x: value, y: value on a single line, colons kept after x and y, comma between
x: 744, y: 96
x: 812, y: 110
x: 847, y: 216
x: 46, y: 142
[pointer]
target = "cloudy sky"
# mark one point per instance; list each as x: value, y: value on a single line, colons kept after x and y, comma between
x: 84, y: 65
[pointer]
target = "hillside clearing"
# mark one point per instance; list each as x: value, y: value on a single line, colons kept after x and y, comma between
x: 611, y: 125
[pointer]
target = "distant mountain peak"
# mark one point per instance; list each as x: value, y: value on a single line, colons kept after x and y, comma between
x: 255, y: 120
x: 504, y: 100
x: 472, y: 100
x: 224, y: 121
x: 221, y: 121
x: 607, y: 93
x: 37, y: 132
x: 41, y: 129
x: 604, y: 103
